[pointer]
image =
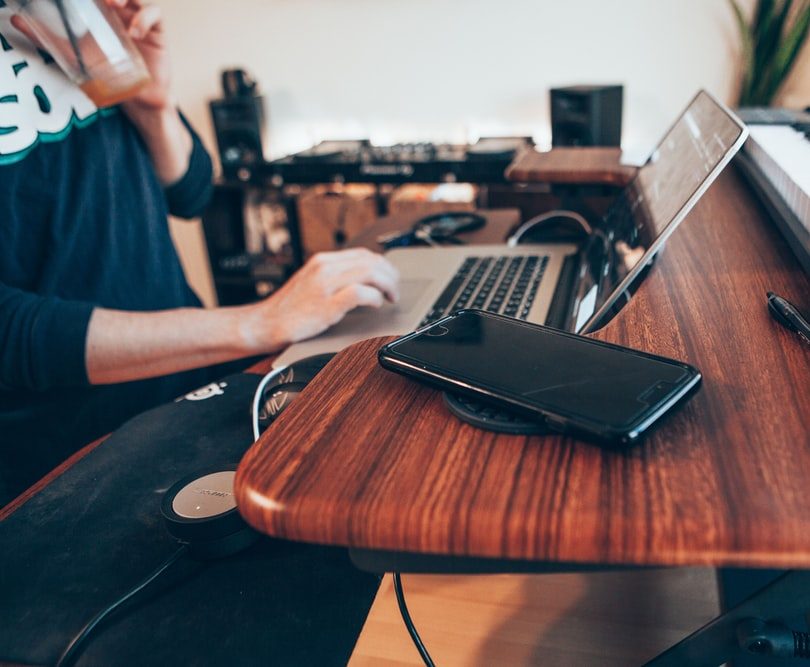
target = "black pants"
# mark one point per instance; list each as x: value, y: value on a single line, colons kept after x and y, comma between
x: 38, y: 431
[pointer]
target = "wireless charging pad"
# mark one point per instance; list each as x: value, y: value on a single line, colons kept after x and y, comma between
x: 485, y: 416
x: 200, y: 511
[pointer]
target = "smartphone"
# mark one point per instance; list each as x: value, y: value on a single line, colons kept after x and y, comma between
x: 571, y: 383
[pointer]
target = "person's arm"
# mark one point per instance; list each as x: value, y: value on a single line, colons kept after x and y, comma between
x: 167, y: 139
x: 188, y: 197
x: 42, y: 341
x: 124, y: 346
x: 181, y: 163
x: 47, y: 342
x: 153, y: 111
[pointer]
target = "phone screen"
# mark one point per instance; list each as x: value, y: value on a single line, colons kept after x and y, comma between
x: 554, y: 371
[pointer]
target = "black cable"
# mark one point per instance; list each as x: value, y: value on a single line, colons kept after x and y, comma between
x: 406, y: 617
x: 76, y: 643
x: 801, y: 645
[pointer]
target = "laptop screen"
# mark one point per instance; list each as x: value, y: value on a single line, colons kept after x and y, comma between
x: 691, y: 155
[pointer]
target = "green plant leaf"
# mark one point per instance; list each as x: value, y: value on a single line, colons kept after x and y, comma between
x: 768, y: 44
x: 767, y: 37
x: 747, y: 51
x: 789, y: 50
x: 763, y: 9
x: 771, y: 43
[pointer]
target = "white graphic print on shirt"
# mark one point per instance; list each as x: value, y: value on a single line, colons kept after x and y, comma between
x: 37, y: 101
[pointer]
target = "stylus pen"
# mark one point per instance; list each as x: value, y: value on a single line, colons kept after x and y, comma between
x: 788, y: 316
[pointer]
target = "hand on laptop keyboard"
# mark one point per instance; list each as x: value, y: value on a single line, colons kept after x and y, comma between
x: 319, y: 295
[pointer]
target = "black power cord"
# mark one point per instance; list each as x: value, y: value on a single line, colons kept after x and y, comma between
x: 772, y: 638
x: 75, y: 645
x: 801, y: 645
x: 406, y: 617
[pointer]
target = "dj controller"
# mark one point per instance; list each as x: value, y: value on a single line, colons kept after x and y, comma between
x: 359, y: 161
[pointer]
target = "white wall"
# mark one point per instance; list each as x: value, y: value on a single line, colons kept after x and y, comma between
x: 449, y: 69
x: 396, y: 70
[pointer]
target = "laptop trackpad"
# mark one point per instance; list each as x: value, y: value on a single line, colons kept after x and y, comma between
x: 410, y: 292
x: 367, y: 322
x: 389, y: 317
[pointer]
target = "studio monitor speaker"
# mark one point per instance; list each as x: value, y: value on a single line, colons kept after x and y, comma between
x: 239, y: 123
x: 586, y: 116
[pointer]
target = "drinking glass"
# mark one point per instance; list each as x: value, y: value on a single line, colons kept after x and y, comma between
x: 90, y: 43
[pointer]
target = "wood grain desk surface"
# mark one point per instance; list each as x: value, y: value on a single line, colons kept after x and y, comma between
x: 368, y: 459
x: 571, y: 166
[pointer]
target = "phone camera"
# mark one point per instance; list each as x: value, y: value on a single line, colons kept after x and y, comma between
x: 437, y: 331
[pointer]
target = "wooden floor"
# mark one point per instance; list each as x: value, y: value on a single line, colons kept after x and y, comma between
x: 562, y: 620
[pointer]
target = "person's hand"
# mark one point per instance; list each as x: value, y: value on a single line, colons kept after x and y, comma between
x: 319, y: 295
x: 143, y: 23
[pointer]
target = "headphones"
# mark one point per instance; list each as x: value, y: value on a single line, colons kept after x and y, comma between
x: 435, y: 229
x: 443, y: 227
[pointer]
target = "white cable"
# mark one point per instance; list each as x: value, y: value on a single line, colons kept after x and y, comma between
x: 257, y: 398
x: 558, y: 213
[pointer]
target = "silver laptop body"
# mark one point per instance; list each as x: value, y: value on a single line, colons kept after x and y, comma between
x: 689, y: 157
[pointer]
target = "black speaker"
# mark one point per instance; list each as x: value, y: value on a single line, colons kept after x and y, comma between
x: 586, y: 116
x: 239, y: 119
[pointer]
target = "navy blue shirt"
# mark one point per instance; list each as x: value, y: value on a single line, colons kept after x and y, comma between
x: 83, y: 223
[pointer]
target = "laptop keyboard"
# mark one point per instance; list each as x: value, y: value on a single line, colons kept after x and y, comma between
x: 507, y: 285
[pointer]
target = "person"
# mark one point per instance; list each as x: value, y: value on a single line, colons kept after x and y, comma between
x: 97, y: 321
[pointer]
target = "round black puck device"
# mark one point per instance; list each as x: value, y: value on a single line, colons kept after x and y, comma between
x: 200, y: 511
x: 490, y: 418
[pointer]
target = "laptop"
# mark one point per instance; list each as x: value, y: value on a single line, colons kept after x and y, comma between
x: 563, y: 285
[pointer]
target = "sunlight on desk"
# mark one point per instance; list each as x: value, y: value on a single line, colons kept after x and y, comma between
x: 565, y: 620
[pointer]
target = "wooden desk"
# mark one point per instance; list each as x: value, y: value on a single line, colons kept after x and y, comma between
x: 571, y: 166
x: 723, y: 481
x: 381, y: 465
